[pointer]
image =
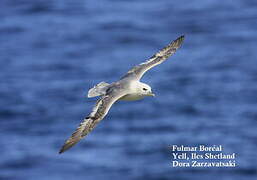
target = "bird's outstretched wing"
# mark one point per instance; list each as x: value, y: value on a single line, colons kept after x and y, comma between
x: 138, y: 71
x: 99, y: 111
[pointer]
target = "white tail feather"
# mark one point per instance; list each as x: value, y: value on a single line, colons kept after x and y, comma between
x: 98, y: 90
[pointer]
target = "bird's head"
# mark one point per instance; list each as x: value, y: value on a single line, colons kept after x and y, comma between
x: 145, y: 89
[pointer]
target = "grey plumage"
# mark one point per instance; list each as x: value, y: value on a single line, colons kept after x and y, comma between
x: 98, y: 90
x: 127, y: 88
x: 100, y: 109
x: 138, y: 71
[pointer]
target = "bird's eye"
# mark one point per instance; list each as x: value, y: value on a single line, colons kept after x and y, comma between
x: 144, y: 89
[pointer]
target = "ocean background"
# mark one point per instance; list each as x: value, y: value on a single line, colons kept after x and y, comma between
x: 53, y: 51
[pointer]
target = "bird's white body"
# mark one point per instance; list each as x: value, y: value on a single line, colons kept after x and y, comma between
x: 128, y: 88
x: 137, y: 91
x: 132, y: 97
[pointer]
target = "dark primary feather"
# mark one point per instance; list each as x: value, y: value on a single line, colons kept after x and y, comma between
x: 138, y: 71
x: 84, y: 128
x: 99, y: 111
x: 116, y: 91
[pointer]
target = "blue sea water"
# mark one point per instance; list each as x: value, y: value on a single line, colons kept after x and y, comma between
x: 53, y: 51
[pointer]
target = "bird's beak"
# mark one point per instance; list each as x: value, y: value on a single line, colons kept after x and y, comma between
x: 152, y: 94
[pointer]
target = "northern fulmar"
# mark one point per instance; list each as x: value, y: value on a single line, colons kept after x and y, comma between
x: 127, y: 88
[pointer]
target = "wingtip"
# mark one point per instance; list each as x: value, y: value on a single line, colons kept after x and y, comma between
x: 181, y: 38
x: 179, y: 41
x: 65, y: 147
x: 61, y: 150
x: 68, y: 144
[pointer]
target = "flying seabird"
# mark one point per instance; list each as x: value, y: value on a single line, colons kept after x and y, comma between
x: 128, y: 88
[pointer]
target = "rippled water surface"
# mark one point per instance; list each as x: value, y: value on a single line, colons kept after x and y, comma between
x: 52, y: 52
